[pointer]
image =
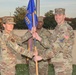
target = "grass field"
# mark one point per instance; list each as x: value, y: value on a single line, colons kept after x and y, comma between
x: 22, y: 69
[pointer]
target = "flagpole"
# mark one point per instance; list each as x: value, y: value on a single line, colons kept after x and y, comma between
x: 35, y: 45
x: 35, y: 42
x: 34, y: 38
x: 38, y: 7
x: 31, y: 21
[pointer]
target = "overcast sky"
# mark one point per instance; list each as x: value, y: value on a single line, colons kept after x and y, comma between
x: 7, y: 7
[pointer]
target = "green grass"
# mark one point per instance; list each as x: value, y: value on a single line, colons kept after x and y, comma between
x: 51, y: 70
x: 22, y: 69
x: 74, y: 70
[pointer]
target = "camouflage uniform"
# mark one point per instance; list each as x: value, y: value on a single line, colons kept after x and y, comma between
x: 62, y: 41
x: 8, y: 54
x: 9, y: 58
x: 63, y: 44
x: 41, y: 47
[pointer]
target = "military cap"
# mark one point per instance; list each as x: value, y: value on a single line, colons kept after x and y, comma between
x: 60, y: 11
x: 40, y: 18
x: 9, y: 20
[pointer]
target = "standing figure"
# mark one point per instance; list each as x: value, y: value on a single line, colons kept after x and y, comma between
x: 8, y: 58
x: 41, y: 46
x: 62, y: 41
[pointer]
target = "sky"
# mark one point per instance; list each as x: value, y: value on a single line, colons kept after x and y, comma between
x: 7, y: 7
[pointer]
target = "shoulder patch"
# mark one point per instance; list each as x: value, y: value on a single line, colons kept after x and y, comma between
x: 12, y: 40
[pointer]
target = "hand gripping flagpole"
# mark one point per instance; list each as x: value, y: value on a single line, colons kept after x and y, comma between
x: 31, y: 20
x: 35, y: 48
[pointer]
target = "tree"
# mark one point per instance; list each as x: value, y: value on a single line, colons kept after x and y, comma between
x: 73, y: 23
x: 19, y: 16
x: 49, y: 21
x: 49, y: 13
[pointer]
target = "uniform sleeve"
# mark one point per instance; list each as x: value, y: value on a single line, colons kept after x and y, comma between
x: 12, y: 44
x: 45, y: 36
x: 47, y: 54
x: 26, y: 36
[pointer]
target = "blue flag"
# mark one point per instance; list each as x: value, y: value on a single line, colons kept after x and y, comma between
x: 29, y: 16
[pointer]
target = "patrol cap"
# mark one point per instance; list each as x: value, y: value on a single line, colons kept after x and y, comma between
x: 60, y: 11
x: 9, y: 20
x: 40, y: 18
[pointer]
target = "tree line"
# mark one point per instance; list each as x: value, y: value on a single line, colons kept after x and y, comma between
x: 49, y: 21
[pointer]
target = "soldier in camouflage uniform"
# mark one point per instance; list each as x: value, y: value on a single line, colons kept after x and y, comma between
x: 41, y: 46
x: 8, y: 58
x: 62, y: 41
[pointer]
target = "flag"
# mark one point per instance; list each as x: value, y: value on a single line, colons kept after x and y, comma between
x: 29, y: 16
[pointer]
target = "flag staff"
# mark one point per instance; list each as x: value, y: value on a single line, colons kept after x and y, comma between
x: 31, y: 21
x: 35, y: 48
x: 38, y: 7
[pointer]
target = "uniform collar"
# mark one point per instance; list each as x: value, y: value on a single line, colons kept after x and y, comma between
x: 62, y: 24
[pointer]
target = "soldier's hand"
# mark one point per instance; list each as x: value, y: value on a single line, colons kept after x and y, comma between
x: 36, y: 36
x: 37, y: 58
x: 33, y: 29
